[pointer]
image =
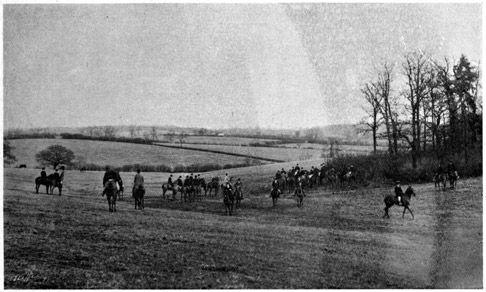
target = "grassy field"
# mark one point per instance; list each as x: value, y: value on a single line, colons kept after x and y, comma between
x: 118, y: 154
x: 278, y: 153
x: 336, y: 240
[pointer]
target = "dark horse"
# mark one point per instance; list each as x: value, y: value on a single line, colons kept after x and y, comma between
x: 51, y: 181
x: 228, y: 200
x: 440, y: 181
x: 453, y: 176
x: 238, y: 196
x: 391, y: 200
x: 174, y: 188
x: 299, y: 194
x: 275, y: 194
x: 111, y: 191
x: 138, y: 194
x: 213, y: 185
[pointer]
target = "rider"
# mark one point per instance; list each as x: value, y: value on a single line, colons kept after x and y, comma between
x: 239, y: 184
x: 351, y: 168
x: 440, y: 171
x: 138, y: 182
x: 56, y: 174
x: 451, y: 169
x: 110, y: 174
x: 43, y: 173
x: 227, y: 182
x: 398, y: 193
x: 275, y: 185
x: 169, y: 181
x: 179, y: 181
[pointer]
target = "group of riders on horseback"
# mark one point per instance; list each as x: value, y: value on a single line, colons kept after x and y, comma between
x: 51, y: 181
x: 442, y: 176
x: 297, y: 177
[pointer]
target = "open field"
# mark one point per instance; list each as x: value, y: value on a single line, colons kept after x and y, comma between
x: 118, y: 154
x: 277, y: 153
x: 336, y: 240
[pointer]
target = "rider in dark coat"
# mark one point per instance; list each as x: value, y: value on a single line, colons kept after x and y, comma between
x: 43, y: 173
x: 451, y: 169
x: 179, y: 181
x: 111, y: 174
x: 169, y: 181
x: 398, y: 193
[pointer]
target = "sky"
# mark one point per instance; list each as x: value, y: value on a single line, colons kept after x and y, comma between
x: 203, y: 65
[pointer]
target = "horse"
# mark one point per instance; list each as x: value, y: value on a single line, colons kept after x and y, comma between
x: 347, y: 176
x: 51, y: 182
x: 197, y: 192
x: 138, y: 195
x: 174, y: 188
x: 391, y: 200
x: 313, y: 179
x: 56, y: 182
x: 440, y: 180
x: 120, y: 192
x: 46, y: 181
x: 275, y: 194
x: 290, y: 181
x: 204, y: 186
x: 299, y: 194
x: 238, y: 196
x: 213, y: 185
x: 331, y: 178
x: 282, y: 182
x: 110, y: 191
x: 228, y: 200
x: 322, y: 174
x: 187, y: 193
x: 453, y: 176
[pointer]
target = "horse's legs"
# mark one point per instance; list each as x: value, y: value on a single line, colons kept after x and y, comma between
x: 407, y: 208
x: 386, y: 213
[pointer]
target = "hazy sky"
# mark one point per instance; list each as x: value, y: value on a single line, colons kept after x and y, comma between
x: 213, y: 65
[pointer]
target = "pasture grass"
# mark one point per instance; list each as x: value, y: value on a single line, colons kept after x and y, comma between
x: 117, y: 154
x: 336, y: 240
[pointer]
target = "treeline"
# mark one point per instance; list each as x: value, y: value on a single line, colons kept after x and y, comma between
x: 20, y: 135
x: 384, y: 169
x: 429, y: 112
x: 192, y: 168
x: 427, y: 109
x: 106, y: 138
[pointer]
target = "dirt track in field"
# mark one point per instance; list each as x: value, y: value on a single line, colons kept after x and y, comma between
x: 336, y: 240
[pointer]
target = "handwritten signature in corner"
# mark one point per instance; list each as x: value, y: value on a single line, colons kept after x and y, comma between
x: 28, y: 277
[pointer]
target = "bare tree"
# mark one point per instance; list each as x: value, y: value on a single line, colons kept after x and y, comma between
x: 374, y: 121
x: 388, y: 107
x: 418, y: 73
x: 132, y: 130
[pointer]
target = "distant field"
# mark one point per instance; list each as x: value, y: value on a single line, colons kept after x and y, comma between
x: 118, y: 154
x: 344, y: 149
x: 223, y: 140
x: 277, y: 153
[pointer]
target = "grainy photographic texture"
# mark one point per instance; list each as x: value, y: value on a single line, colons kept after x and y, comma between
x: 268, y: 146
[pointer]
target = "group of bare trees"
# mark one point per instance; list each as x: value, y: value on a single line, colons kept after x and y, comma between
x: 425, y: 106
